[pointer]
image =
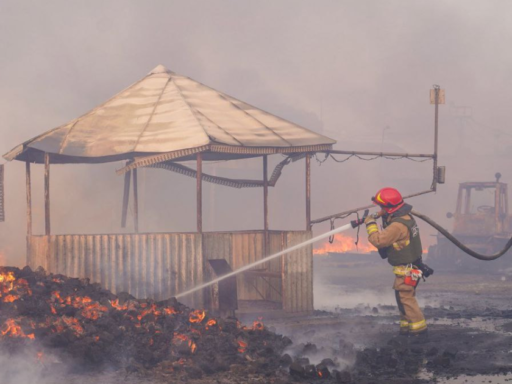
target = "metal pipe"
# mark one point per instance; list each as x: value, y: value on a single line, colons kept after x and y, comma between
x: 341, y: 214
x: 199, y: 192
x: 47, y: 229
x: 436, y: 120
x: 391, y: 154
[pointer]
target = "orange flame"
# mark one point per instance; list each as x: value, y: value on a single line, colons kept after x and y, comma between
x: 151, y: 309
x: 11, y: 298
x: 74, y: 324
x: 343, y: 243
x: 242, y: 346
x: 257, y: 326
x: 170, y: 311
x: 197, y: 316
x: 115, y: 304
x: 180, y: 337
x: 13, y: 289
x: 13, y: 329
x: 210, y: 323
x: 7, y: 282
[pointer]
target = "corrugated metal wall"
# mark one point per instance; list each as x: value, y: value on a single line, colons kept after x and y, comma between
x: 148, y: 265
x: 298, y: 274
x: 160, y: 265
x: 242, y: 248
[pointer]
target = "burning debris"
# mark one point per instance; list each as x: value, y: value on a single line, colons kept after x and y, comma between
x: 85, y: 327
x: 54, y: 318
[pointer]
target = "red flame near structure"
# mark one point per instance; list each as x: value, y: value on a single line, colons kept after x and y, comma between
x: 342, y: 244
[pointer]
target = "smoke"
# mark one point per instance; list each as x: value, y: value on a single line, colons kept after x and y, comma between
x: 23, y: 367
x: 359, y: 72
x: 27, y: 367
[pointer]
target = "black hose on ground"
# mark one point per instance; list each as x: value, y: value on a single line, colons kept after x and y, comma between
x: 465, y: 249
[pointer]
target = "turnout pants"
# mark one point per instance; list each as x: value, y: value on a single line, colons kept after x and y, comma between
x: 411, y: 317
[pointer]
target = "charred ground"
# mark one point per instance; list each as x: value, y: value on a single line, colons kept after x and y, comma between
x: 55, y: 329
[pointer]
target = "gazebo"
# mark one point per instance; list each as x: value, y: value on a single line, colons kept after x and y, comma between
x: 161, y: 121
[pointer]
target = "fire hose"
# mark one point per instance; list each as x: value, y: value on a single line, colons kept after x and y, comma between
x: 461, y: 246
x: 447, y: 234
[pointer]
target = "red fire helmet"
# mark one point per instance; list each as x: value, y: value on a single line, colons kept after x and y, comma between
x: 389, y: 199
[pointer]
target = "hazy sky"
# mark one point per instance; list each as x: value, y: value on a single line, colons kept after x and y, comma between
x: 347, y: 69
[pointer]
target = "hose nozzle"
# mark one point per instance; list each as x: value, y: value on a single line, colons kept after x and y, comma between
x: 357, y: 223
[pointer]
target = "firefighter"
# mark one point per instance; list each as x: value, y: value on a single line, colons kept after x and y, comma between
x: 399, y: 242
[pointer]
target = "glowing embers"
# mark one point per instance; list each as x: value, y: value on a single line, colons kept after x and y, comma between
x: 10, y: 298
x: 128, y: 306
x: 12, y: 328
x: 197, y: 316
x: 76, y: 321
x: 170, y: 311
x: 210, y: 323
x: 257, y: 325
x: 12, y: 289
x: 7, y: 277
x: 242, y: 346
x: 88, y: 308
x: 184, y: 344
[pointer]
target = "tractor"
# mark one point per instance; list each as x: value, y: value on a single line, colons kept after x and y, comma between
x: 481, y: 222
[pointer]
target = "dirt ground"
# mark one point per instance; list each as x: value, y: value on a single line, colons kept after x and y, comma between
x: 355, y: 325
x: 469, y: 316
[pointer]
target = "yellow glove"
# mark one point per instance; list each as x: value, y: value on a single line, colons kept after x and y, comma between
x: 371, y: 225
x: 370, y: 219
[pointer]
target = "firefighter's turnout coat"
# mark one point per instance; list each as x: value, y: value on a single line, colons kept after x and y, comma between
x: 399, y: 241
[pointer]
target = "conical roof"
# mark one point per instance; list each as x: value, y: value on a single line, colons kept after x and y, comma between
x: 165, y: 112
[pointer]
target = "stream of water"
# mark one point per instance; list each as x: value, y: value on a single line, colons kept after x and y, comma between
x: 265, y: 259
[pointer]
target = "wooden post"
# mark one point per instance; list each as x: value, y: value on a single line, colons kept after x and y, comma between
x: 126, y: 198
x: 29, y: 198
x: 47, y: 194
x: 29, y: 207
x: 265, y: 205
x: 135, y: 203
x: 308, y: 192
x: 199, y: 191
x: 436, y: 129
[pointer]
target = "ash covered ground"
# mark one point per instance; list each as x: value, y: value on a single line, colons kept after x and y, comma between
x: 349, y: 339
